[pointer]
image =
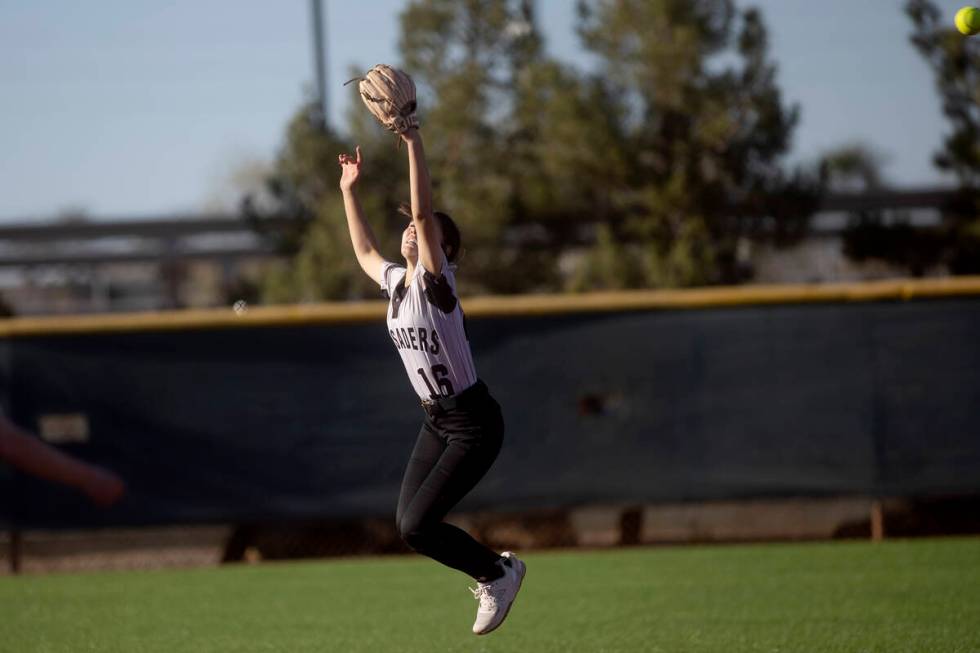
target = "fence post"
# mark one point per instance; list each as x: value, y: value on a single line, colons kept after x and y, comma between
x: 15, y: 551
x: 877, y: 520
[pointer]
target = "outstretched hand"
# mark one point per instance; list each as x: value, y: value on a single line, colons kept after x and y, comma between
x: 350, y: 169
x: 103, y: 487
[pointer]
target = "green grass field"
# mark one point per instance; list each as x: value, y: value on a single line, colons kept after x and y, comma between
x: 921, y: 595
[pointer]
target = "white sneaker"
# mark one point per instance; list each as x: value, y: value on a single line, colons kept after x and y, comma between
x: 497, y: 596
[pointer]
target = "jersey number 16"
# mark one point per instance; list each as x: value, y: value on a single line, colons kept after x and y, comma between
x: 439, y: 373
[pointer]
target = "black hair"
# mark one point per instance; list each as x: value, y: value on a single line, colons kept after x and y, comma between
x: 452, y: 241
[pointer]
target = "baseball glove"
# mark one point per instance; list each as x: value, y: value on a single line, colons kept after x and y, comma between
x: 389, y: 94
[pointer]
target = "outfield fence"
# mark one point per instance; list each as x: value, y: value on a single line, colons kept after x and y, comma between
x: 278, y: 419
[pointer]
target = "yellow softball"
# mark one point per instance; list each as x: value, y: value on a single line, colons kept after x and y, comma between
x: 968, y: 20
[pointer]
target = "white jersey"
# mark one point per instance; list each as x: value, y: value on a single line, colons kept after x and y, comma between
x: 426, y: 323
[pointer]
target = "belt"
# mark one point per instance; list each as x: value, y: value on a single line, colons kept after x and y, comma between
x: 438, y: 405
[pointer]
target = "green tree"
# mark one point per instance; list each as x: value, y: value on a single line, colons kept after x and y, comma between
x: 302, y: 212
x: 568, y: 158
x: 303, y: 209
x: 705, y: 134
x: 854, y: 167
x: 468, y: 58
x: 873, y: 233
x: 955, y: 62
x: 658, y: 163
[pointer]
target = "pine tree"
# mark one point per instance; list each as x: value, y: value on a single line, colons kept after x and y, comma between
x: 706, y: 131
x: 955, y: 61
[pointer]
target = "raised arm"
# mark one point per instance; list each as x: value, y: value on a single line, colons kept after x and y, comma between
x: 361, y: 236
x: 426, y: 226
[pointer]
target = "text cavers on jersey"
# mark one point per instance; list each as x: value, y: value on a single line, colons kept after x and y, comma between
x: 417, y: 338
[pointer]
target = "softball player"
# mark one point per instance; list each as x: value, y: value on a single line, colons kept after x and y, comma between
x: 462, y: 429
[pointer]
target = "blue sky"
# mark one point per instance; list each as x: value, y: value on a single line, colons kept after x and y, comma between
x: 137, y: 108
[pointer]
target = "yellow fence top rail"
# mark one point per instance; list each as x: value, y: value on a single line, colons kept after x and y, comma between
x: 526, y: 305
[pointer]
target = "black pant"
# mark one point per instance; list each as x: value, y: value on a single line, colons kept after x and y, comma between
x: 455, y: 448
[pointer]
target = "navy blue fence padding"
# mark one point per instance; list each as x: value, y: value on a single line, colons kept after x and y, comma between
x: 642, y: 406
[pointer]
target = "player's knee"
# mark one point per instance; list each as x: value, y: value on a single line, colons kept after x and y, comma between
x: 415, y: 540
x: 412, y: 532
